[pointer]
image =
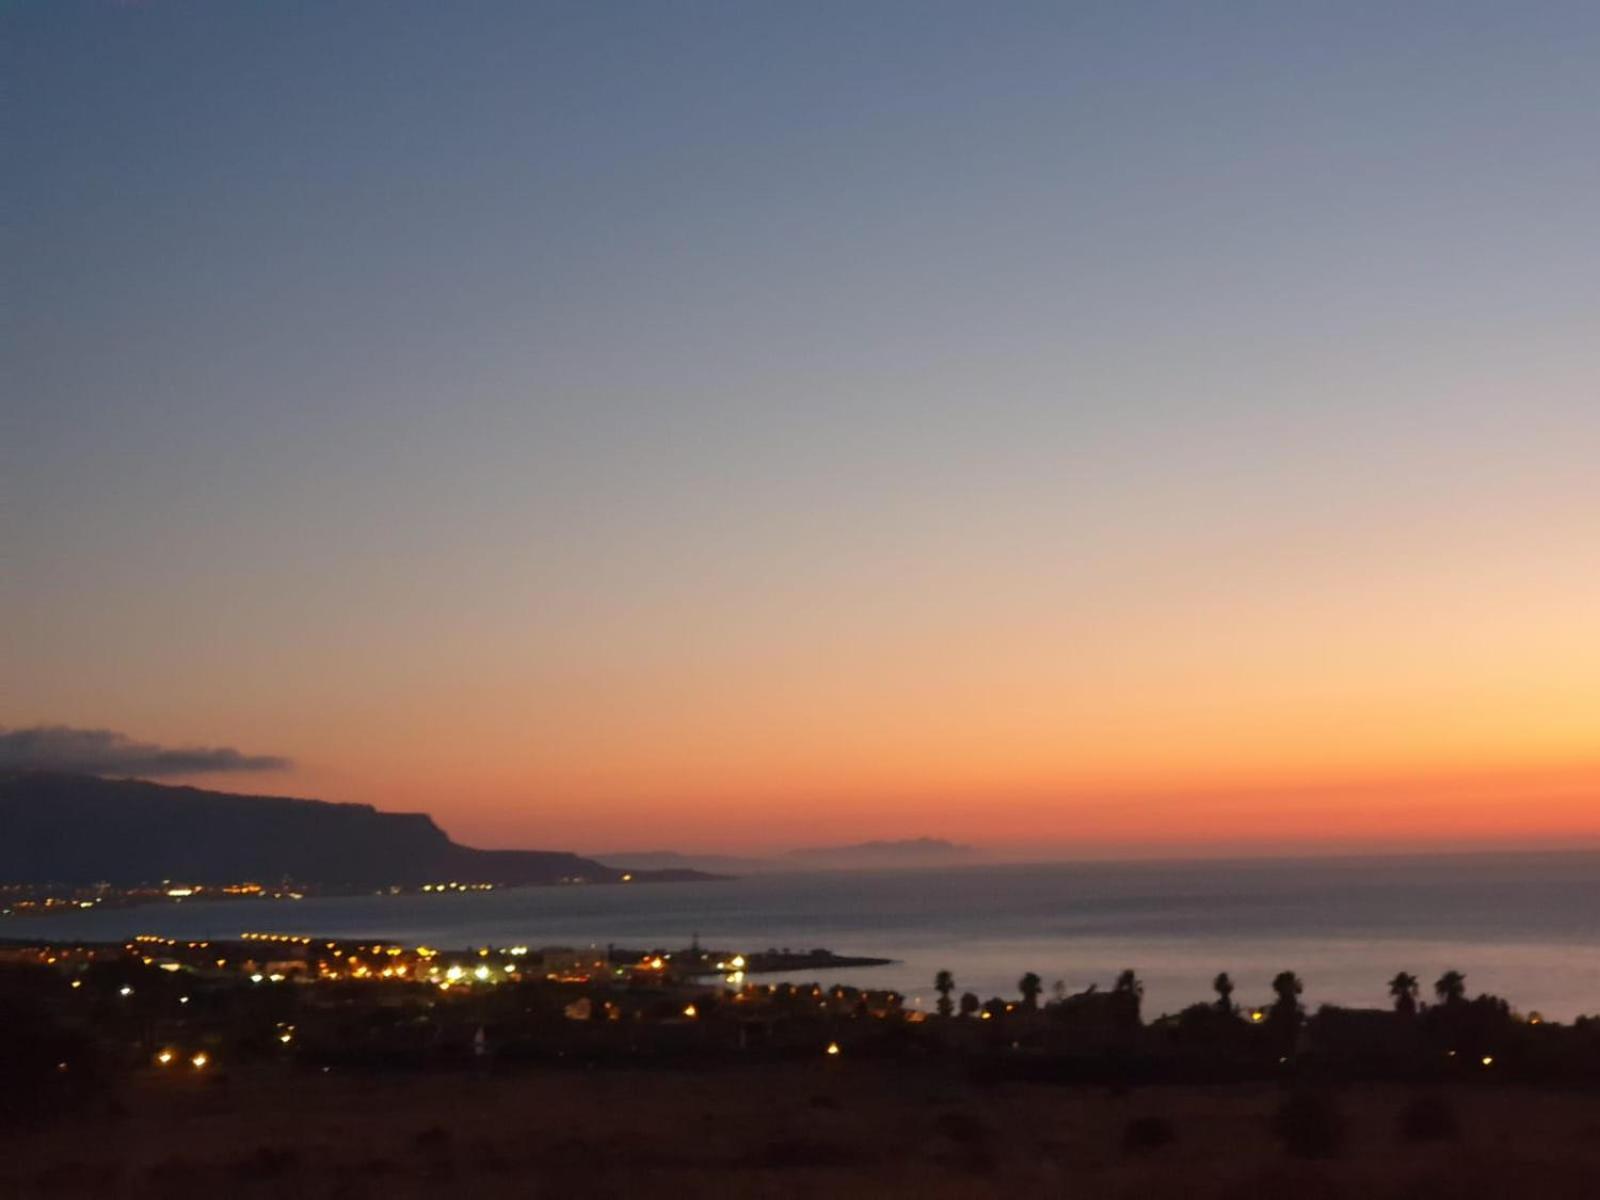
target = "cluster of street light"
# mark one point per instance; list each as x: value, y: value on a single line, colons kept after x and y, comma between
x: 198, y: 1061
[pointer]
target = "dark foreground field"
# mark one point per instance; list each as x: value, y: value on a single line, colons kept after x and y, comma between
x: 827, y: 1129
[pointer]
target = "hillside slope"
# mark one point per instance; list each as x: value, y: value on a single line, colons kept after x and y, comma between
x: 81, y: 829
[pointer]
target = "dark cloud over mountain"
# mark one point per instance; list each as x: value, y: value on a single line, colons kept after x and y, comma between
x: 106, y: 752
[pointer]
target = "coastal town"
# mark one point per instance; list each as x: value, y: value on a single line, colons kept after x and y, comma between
x: 226, y: 1064
x: 155, y: 1001
x: 54, y: 899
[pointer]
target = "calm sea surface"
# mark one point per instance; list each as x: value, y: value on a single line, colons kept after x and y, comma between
x: 1524, y: 926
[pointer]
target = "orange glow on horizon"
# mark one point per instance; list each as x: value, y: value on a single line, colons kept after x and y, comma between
x: 1428, y: 685
x: 1242, y: 812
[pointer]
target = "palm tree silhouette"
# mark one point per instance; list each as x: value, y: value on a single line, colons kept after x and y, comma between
x: 1223, y: 986
x: 1285, y: 1017
x: 1287, y: 987
x: 1030, y: 985
x: 1126, y: 995
x: 1403, y: 987
x: 1451, y: 987
x: 944, y: 983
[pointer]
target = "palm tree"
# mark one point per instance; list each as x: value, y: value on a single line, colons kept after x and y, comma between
x: 970, y: 1004
x: 1403, y: 987
x: 1284, y: 1018
x: 1451, y: 987
x: 944, y: 983
x: 1286, y: 986
x: 1223, y: 986
x: 1030, y: 985
x: 1126, y: 995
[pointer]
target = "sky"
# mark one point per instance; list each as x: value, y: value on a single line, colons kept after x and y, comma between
x: 1070, y: 428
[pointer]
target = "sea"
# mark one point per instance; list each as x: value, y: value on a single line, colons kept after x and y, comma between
x: 1524, y: 926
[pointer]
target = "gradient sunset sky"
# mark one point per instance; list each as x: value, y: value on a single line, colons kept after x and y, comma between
x: 1069, y: 427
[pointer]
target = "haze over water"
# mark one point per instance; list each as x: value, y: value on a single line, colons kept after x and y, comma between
x: 1523, y: 926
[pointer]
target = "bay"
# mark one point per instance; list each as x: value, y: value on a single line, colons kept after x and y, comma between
x: 1526, y: 926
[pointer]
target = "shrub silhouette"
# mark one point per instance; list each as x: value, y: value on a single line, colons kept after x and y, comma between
x: 1310, y: 1125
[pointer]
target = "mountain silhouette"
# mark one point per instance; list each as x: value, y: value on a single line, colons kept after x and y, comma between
x: 82, y: 829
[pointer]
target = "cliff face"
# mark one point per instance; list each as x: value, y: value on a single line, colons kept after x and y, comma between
x: 82, y: 829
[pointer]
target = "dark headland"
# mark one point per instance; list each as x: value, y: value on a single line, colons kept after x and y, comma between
x: 79, y: 830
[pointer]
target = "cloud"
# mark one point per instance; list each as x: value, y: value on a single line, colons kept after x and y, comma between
x: 104, y: 752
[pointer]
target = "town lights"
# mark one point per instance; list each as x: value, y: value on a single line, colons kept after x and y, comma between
x: 833, y: 1049
x: 199, y: 1061
x: 164, y: 1058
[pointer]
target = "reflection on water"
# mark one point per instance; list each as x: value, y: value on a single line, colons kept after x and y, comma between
x: 1525, y: 926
